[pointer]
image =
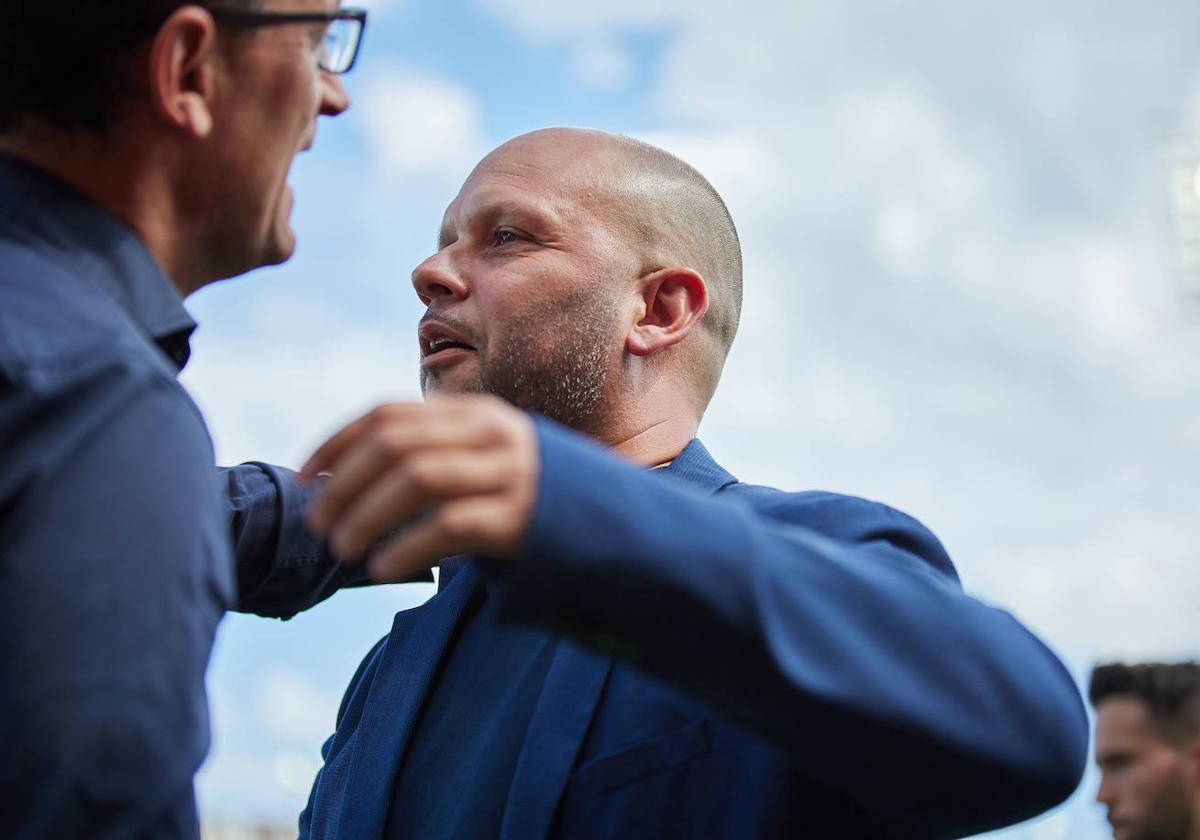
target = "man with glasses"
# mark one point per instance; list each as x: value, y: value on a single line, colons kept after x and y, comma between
x: 144, y: 153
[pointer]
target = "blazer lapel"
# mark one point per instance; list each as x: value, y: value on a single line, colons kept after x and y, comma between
x: 560, y: 721
x: 400, y: 686
x: 564, y: 712
x: 571, y: 694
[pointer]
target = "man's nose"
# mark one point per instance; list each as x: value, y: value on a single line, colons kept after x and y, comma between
x: 437, y: 279
x: 334, y: 99
x: 1106, y: 794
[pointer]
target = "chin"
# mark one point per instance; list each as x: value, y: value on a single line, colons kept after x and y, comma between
x: 442, y: 383
x: 279, y: 248
x: 280, y: 255
x: 280, y: 242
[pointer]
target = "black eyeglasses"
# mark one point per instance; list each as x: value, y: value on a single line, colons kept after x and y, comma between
x: 339, y: 49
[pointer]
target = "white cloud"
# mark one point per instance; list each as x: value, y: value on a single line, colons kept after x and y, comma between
x: 312, y: 371
x: 1127, y: 590
x: 601, y: 65
x: 549, y: 17
x: 902, y: 236
x: 733, y: 159
x: 421, y: 126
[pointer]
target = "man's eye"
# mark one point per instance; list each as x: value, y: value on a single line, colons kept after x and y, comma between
x: 1115, y: 763
x: 506, y: 237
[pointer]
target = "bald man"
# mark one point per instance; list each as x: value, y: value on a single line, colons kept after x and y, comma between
x: 627, y: 642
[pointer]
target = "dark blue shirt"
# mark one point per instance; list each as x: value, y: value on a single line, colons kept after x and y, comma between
x: 473, y: 725
x: 115, y: 562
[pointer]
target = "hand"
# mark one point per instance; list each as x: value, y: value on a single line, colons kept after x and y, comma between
x: 461, y: 471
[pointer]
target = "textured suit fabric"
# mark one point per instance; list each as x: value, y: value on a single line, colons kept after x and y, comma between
x: 731, y: 661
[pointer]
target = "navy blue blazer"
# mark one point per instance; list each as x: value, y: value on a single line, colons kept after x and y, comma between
x: 732, y: 661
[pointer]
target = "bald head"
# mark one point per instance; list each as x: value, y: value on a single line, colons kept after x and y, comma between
x: 676, y: 217
x: 664, y: 214
x: 588, y: 277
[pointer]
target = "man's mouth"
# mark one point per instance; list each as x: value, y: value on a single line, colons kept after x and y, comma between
x: 439, y: 341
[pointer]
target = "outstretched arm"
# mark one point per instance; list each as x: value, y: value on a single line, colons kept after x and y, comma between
x: 833, y: 626
x: 282, y: 567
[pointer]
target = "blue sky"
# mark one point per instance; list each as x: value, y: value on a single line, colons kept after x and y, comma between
x: 963, y: 296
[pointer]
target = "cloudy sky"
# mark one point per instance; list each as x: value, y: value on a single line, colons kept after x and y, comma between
x: 964, y: 296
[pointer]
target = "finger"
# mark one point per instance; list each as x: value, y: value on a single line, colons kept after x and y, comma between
x: 390, y: 436
x: 448, y: 421
x: 424, y: 479
x: 332, y: 450
x: 465, y: 526
x: 356, y: 469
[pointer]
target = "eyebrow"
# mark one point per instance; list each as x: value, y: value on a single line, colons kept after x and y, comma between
x: 533, y: 221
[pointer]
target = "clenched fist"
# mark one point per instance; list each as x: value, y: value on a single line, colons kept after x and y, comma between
x: 459, y: 473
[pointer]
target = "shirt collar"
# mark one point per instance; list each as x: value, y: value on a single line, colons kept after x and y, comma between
x: 97, y: 245
x: 696, y: 466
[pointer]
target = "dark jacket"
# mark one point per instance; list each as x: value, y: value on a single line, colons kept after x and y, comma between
x: 732, y: 662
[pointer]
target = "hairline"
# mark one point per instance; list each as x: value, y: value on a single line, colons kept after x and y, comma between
x: 1169, y: 694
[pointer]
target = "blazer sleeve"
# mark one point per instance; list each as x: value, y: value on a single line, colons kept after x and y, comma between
x: 836, y: 629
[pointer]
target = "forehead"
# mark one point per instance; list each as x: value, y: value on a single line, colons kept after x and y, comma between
x: 1123, y: 720
x: 517, y: 180
x: 563, y: 177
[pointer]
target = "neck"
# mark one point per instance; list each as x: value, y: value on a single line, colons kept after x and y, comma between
x: 127, y: 179
x: 652, y: 416
x: 656, y: 443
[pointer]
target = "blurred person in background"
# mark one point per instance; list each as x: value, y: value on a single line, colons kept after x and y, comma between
x: 1148, y: 748
x: 628, y: 642
x: 145, y: 147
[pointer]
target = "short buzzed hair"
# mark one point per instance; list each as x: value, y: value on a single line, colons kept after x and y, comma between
x: 702, y: 215
x: 1171, y: 692
x: 675, y: 216
x: 61, y: 64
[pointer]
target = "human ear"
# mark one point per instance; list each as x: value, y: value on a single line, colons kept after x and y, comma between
x: 673, y: 300
x: 181, y: 77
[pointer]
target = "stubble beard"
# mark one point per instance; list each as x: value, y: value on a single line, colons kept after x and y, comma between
x: 556, y: 364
